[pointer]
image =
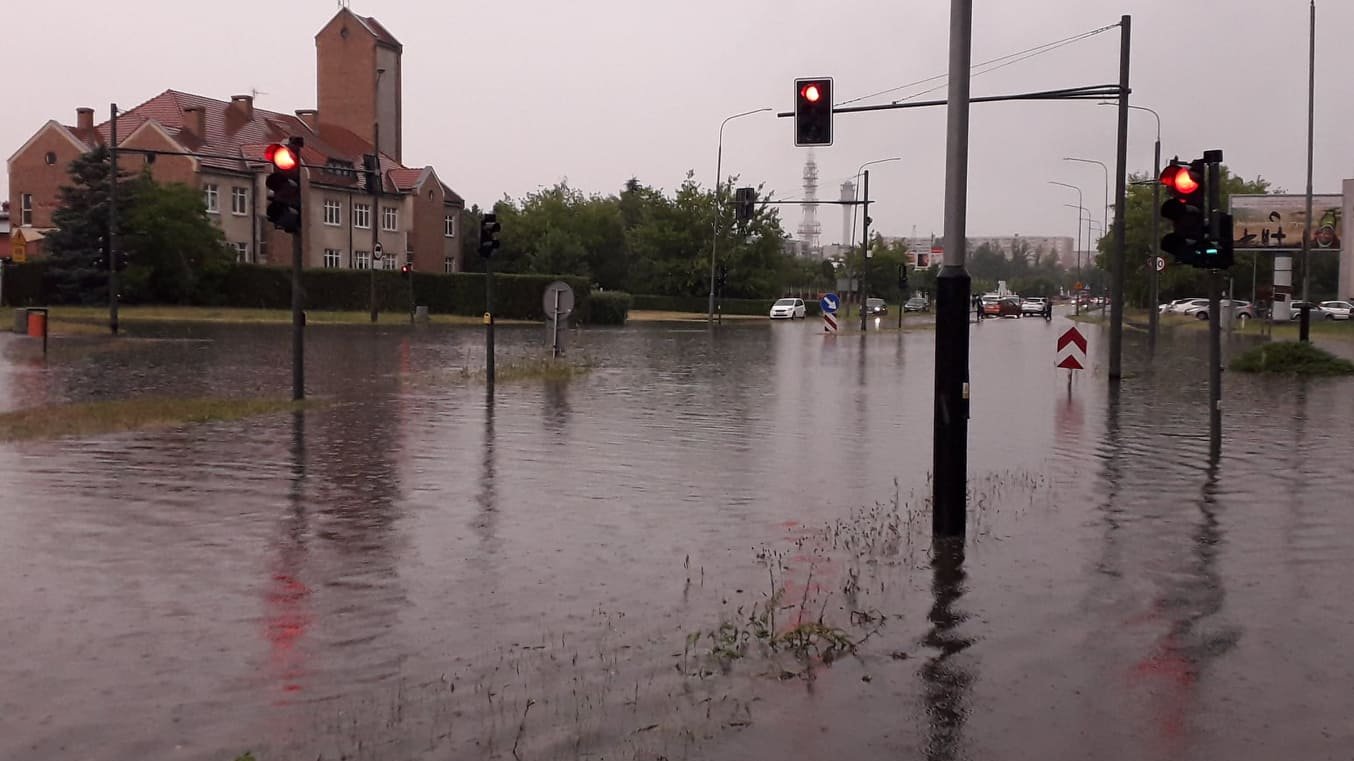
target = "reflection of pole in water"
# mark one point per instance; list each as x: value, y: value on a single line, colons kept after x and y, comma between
x: 287, y: 613
x: 947, y: 685
x: 485, y: 522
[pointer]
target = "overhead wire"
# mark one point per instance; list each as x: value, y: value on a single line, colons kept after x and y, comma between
x: 1004, y: 61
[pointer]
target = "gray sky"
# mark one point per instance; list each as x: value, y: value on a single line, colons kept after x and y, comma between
x: 508, y: 96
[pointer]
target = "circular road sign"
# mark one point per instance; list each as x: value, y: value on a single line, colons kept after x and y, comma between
x: 566, y: 299
x: 1160, y: 263
x: 376, y: 252
x: 830, y: 303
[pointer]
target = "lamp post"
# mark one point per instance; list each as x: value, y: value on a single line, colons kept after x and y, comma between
x: 1101, y: 164
x: 719, y: 192
x: 1076, y: 300
x: 1153, y: 276
x: 865, y: 247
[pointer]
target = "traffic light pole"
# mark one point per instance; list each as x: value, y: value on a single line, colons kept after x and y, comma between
x: 112, y: 217
x: 488, y: 321
x: 371, y: 217
x: 865, y: 251
x: 949, y: 482
x: 1120, y: 229
x: 1153, y: 315
x: 1214, y: 310
x: 298, y: 322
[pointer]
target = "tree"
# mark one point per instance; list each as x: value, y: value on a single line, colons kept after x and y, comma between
x: 77, y: 248
x: 173, y: 247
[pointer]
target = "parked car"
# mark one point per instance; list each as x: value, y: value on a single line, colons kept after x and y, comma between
x: 1318, y: 312
x: 1009, y: 306
x: 1033, y: 305
x: 1338, y: 310
x: 1182, y: 306
x: 991, y: 306
x: 876, y: 306
x: 1171, y: 307
x: 788, y: 309
x: 917, y: 304
x: 1244, y: 310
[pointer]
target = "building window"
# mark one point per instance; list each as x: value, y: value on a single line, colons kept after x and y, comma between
x: 387, y: 262
x: 361, y: 260
x: 390, y: 219
x: 333, y: 258
x: 26, y: 209
x: 239, y: 201
x: 241, y: 252
x: 263, y: 251
x: 449, y: 265
x: 332, y: 212
x: 209, y: 193
x: 449, y: 226
x: 362, y: 216
x: 50, y: 158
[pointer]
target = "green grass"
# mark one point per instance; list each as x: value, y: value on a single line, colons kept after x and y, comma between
x: 1292, y: 358
x: 74, y: 319
x: 96, y: 418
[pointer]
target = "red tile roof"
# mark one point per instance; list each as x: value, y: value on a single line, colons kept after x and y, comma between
x: 231, y: 137
x: 379, y: 32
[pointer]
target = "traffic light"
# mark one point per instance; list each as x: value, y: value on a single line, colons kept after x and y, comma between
x: 284, y: 185
x: 1218, y: 253
x: 902, y: 277
x: 723, y: 278
x: 813, y: 111
x: 745, y: 203
x: 371, y: 173
x: 120, y: 260
x: 405, y: 270
x: 1186, y: 209
x: 489, y: 229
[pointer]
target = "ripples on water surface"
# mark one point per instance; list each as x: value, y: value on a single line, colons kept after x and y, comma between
x: 414, y: 572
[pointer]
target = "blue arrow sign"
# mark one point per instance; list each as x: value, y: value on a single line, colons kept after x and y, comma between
x: 829, y: 303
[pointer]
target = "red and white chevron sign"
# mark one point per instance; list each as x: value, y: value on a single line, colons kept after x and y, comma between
x: 829, y: 323
x: 1072, y: 349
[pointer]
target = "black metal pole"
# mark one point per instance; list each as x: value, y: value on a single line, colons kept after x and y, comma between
x: 1311, y: 119
x: 488, y: 320
x: 112, y: 217
x: 411, y: 290
x: 949, y: 483
x: 1214, y: 202
x: 1119, y: 256
x: 1305, y: 322
x: 298, y: 320
x: 371, y: 215
x: 1153, y: 316
x: 902, y: 293
x: 865, y: 252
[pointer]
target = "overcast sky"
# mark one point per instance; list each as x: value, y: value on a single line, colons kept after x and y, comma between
x: 508, y: 96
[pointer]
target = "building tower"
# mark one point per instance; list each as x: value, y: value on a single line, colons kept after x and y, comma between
x: 359, y: 79
x: 848, y: 197
x: 810, y: 229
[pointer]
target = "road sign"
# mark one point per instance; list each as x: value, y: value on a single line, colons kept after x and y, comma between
x: 1160, y: 263
x: 376, y: 252
x: 1072, y: 349
x: 1078, y: 286
x: 830, y: 303
x: 829, y: 322
x: 565, y: 303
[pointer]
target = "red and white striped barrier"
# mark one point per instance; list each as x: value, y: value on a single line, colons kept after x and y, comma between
x: 829, y: 323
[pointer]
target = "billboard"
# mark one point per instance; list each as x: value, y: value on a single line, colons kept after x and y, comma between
x: 1276, y: 222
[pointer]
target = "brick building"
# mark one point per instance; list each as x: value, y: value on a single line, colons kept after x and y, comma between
x: 358, y: 87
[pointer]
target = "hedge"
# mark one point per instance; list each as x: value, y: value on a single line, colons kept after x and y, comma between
x: 255, y: 286
x: 699, y: 305
x: 607, y: 308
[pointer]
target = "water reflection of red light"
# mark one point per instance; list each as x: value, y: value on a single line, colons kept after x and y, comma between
x: 286, y: 621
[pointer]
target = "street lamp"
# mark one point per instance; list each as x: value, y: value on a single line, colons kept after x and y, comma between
x: 865, y: 233
x: 1153, y: 276
x: 1101, y: 164
x: 1077, y: 302
x: 719, y: 190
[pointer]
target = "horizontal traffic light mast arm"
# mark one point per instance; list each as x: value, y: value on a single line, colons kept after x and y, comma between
x: 221, y: 156
x: 825, y: 203
x: 1099, y: 92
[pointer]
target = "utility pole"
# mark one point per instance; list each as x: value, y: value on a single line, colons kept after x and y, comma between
x: 298, y: 317
x: 1120, y: 229
x: 112, y: 217
x: 1214, y: 159
x: 488, y: 320
x: 949, y: 478
x: 1153, y: 315
x: 371, y: 215
x: 865, y: 252
x: 1311, y: 117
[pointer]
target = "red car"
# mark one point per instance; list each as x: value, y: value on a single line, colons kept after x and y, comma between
x: 1006, y: 306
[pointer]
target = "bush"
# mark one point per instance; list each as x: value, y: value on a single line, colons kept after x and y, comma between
x: 607, y: 308
x: 26, y: 284
x: 1292, y: 358
x: 699, y: 305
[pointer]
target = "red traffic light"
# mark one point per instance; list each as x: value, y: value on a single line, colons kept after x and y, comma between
x: 281, y: 156
x: 1180, y: 179
x: 810, y: 92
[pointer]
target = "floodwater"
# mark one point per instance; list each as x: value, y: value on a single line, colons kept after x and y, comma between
x: 418, y: 571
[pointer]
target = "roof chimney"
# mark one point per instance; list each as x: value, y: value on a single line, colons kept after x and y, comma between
x: 310, y: 117
x: 244, y: 104
x: 195, y: 121
x: 84, y: 118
